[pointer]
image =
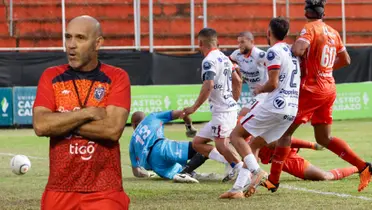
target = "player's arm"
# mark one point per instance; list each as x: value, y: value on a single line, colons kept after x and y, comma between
x: 178, y: 114
x: 205, y: 90
x: 45, y: 121
x: 274, y: 63
x: 233, y: 59
x: 233, y: 56
x: 190, y: 130
x: 343, y: 59
x: 109, y: 128
x: 117, y: 111
x: 299, y: 47
x: 48, y: 123
x: 208, y: 74
x: 141, y: 172
x: 136, y: 169
x: 303, y: 42
x: 237, y: 83
x: 271, y: 84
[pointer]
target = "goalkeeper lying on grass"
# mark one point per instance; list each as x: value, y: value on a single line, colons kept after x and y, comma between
x: 150, y: 150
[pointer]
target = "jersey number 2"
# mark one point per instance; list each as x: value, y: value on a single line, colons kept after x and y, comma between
x: 292, y: 84
x: 328, y: 56
x: 227, y: 73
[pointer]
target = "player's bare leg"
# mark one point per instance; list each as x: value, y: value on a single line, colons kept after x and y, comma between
x: 256, y: 144
x: 298, y: 143
x: 201, y: 145
x: 244, y: 187
x: 244, y: 111
x: 231, y: 174
x: 222, y: 145
x: 342, y: 149
x: 282, y: 150
x: 316, y: 174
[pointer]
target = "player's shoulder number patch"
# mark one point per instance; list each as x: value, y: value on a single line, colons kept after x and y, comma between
x: 207, y: 65
x: 270, y: 55
x: 262, y: 54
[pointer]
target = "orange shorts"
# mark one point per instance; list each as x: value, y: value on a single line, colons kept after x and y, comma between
x: 315, y: 107
x: 296, y: 165
x: 115, y: 200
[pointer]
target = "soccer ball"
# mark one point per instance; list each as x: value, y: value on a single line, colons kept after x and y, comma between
x: 20, y: 164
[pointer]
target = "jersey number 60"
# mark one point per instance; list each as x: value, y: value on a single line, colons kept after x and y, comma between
x: 328, y: 56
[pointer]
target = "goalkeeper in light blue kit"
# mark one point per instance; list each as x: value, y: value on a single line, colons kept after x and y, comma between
x: 150, y: 150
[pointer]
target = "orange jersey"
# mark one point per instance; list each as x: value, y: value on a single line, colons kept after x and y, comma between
x: 78, y: 164
x: 325, y: 43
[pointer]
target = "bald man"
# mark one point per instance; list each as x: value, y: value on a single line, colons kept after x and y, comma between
x: 83, y: 107
x: 149, y: 149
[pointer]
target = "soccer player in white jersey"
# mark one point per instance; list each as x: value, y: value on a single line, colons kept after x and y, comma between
x: 218, y: 83
x: 268, y: 121
x: 251, y: 62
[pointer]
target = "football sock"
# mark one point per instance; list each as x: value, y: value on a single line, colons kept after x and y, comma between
x: 251, y: 163
x: 191, y: 151
x: 340, y: 173
x: 280, y: 155
x: 194, y: 163
x: 215, y: 155
x: 342, y: 149
x: 243, y: 177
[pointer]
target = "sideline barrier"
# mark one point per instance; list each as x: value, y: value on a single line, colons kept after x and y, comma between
x: 352, y: 102
x: 6, y: 103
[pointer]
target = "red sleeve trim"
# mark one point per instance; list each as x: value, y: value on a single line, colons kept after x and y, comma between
x: 273, y: 67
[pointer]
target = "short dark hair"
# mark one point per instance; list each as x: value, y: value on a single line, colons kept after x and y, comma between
x: 246, y: 34
x: 314, y: 9
x: 208, y: 33
x: 279, y: 28
x: 208, y: 36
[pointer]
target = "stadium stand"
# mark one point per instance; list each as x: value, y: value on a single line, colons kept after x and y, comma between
x: 39, y: 24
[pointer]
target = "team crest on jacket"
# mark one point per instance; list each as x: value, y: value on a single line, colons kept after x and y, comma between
x: 99, y: 92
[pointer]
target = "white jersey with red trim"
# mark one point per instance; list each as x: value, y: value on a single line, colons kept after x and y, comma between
x: 221, y: 97
x: 284, y: 99
x: 252, y: 67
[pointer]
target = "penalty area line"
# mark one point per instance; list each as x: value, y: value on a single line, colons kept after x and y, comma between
x: 342, y: 195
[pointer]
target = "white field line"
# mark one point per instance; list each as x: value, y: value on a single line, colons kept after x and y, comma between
x: 342, y: 195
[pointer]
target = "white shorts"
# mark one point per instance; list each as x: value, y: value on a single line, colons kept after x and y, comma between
x: 265, y: 124
x: 258, y: 99
x: 221, y: 125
